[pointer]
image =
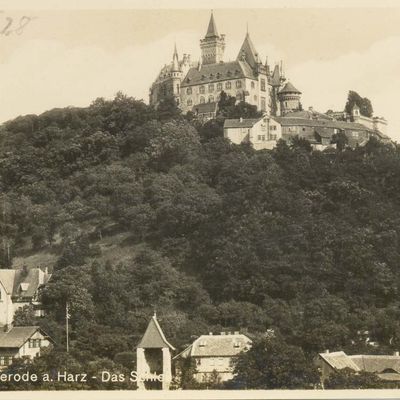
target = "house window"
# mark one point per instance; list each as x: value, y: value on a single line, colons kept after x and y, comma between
x: 211, y: 98
x: 189, y: 102
x: 34, y: 343
x: 212, y: 362
x: 263, y: 103
x: 228, y: 85
x: 219, y: 86
x: 189, y: 90
x: 272, y: 137
x: 202, y: 89
x: 273, y: 127
x: 354, y: 134
x: 5, y: 360
x: 263, y: 127
x: 263, y: 85
x: 238, y: 84
x: 202, y: 100
x: 261, y: 138
x: 198, y: 361
x: 211, y: 87
x: 220, y: 361
x: 252, y: 85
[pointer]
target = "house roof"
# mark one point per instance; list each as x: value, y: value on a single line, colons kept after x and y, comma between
x: 7, y: 277
x: 212, y: 28
x: 339, y: 360
x: 241, y: 123
x: 217, y: 346
x: 27, y: 283
x: 288, y: 121
x: 154, y: 337
x: 325, y: 133
x: 17, y: 336
x: 377, y: 363
x: 249, y: 50
x: 223, y: 71
x: 205, y: 107
x: 289, y: 88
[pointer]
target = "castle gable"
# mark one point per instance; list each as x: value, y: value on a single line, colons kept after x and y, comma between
x: 249, y: 51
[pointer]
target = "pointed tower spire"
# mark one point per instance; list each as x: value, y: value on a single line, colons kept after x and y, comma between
x: 175, y: 60
x: 249, y: 51
x: 212, y: 27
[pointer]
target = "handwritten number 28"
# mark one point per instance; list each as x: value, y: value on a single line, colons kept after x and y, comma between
x: 9, y: 28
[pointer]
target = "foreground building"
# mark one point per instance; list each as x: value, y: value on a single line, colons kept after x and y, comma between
x: 194, y: 83
x: 153, y: 355
x: 19, y: 288
x: 386, y: 367
x: 214, y: 355
x: 22, y: 341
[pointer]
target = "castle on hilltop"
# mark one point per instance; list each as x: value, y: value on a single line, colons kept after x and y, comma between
x: 196, y: 86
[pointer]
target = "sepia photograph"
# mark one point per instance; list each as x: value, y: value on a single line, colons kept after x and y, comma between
x: 200, y: 199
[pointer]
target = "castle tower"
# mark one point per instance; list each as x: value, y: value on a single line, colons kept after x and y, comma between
x: 176, y: 75
x: 153, y: 356
x: 289, y: 99
x: 213, y: 45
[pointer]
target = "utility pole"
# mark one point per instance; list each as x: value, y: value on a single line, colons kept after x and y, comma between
x: 67, y: 316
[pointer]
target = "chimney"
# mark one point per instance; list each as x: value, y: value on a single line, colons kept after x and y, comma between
x: 327, y: 351
x: 210, y: 333
x: 241, y: 119
x: 229, y: 333
x: 222, y: 333
x: 237, y: 333
x: 396, y: 353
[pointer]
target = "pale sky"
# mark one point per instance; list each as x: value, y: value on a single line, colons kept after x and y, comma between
x: 70, y: 57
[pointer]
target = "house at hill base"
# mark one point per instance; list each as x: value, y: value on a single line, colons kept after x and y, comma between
x: 21, y: 341
x: 261, y: 133
x: 214, y: 355
x: 19, y: 288
x: 386, y: 367
x: 153, y: 355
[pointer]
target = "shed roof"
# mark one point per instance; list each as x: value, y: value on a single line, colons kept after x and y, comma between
x: 339, y: 360
x: 377, y: 363
x: 205, y: 107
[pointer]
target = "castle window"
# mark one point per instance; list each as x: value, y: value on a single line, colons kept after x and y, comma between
x: 177, y: 88
x: 189, y: 90
x: 211, y: 98
x: 263, y: 85
x: 238, y: 84
x: 228, y: 85
x: 211, y: 87
x: 202, y: 89
x: 253, y: 85
x: 202, y: 100
x: 219, y: 86
x: 189, y: 102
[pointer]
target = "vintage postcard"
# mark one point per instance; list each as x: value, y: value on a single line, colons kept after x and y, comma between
x: 200, y: 200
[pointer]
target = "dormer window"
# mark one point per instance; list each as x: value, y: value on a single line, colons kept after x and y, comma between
x: 218, y: 75
x: 23, y: 287
x: 202, y: 343
x: 236, y: 345
x: 229, y: 73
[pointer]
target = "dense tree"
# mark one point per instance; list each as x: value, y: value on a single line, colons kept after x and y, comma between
x: 362, y: 102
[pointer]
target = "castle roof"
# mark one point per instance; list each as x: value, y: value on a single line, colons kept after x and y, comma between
x: 289, y: 88
x: 276, y: 77
x: 343, y: 125
x: 228, y: 345
x: 249, y: 50
x: 154, y: 337
x: 218, y: 72
x: 212, y: 28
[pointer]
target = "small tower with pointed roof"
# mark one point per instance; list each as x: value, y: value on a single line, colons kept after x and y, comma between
x: 289, y: 99
x: 213, y: 45
x: 153, y: 356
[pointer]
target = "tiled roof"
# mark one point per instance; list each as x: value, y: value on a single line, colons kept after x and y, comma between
x: 250, y: 51
x: 218, y: 72
x: 7, y: 277
x: 241, y: 123
x: 377, y: 363
x: 339, y: 360
x: 28, y: 282
x: 287, y: 121
x: 154, y: 337
x: 218, y: 346
x: 289, y: 88
x: 307, y: 115
x: 17, y: 336
x: 205, y: 107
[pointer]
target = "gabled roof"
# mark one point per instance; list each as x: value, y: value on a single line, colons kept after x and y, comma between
x: 241, y: 123
x: 218, y: 72
x: 339, y: 360
x: 212, y: 28
x: 7, y: 277
x: 26, y: 283
x: 154, y: 337
x: 18, y: 335
x: 217, y: 346
x: 377, y: 363
x: 289, y: 88
x: 205, y: 107
x: 276, y: 76
x: 250, y: 51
